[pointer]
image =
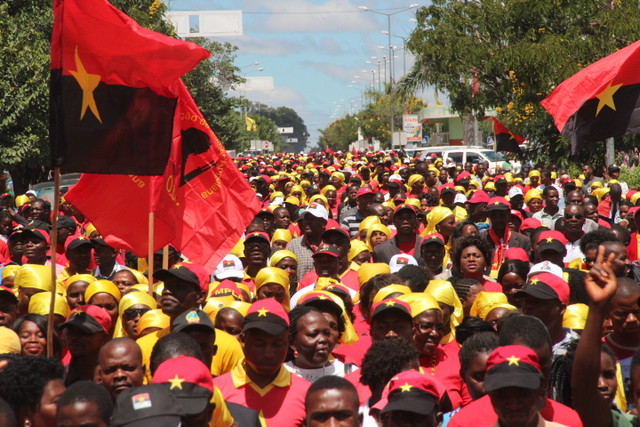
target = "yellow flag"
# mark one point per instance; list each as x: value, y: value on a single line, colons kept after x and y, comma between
x: 251, y: 124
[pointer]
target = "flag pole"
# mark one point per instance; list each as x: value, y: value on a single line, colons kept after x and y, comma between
x: 150, y: 255
x: 54, y: 241
x: 165, y: 257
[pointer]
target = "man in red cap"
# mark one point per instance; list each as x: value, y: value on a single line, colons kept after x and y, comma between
x: 412, y: 401
x: 364, y: 198
x: 514, y: 383
x: 261, y: 382
x: 546, y: 297
x: 406, y: 241
x: 185, y: 288
x: 86, y: 331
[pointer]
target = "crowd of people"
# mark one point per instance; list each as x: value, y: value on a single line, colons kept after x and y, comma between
x: 371, y: 289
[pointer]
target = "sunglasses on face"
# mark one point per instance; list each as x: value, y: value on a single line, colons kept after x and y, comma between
x: 132, y: 313
x: 573, y: 215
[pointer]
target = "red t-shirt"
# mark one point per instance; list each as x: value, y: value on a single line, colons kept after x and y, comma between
x: 407, y: 248
x: 447, y: 370
x: 480, y: 413
x: 281, y: 403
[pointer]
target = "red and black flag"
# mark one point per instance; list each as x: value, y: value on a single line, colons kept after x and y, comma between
x: 114, y: 90
x: 505, y: 139
x: 600, y: 101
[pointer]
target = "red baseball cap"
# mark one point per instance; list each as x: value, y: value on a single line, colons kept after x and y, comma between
x: 547, y: 286
x: 513, y: 366
x: 516, y: 253
x: 90, y: 319
x: 183, y: 368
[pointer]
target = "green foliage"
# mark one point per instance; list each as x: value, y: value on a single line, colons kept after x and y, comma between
x: 283, y: 117
x: 339, y: 134
x: 631, y: 176
x: 518, y: 51
x: 373, y: 119
x: 267, y: 130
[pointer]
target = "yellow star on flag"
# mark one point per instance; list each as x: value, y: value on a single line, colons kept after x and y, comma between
x: 176, y: 382
x: 606, y: 97
x: 262, y: 312
x: 390, y: 303
x: 534, y: 281
x: 549, y: 239
x: 513, y: 360
x: 88, y: 83
x: 405, y: 387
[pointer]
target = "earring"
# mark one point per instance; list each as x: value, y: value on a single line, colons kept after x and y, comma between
x: 295, y: 353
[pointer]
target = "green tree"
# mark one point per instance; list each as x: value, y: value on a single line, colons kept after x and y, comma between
x: 339, y: 134
x: 284, y: 117
x: 267, y: 130
x: 517, y: 51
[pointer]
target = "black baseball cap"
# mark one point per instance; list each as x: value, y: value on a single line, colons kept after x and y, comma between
x: 149, y: 405
x: 267, y: 315
x: 327, y: 250
x: 192, y: 318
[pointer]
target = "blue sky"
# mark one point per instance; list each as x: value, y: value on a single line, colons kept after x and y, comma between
x: 313, y: 49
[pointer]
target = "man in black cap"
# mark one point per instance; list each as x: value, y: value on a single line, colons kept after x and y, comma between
x: 198, y: 326
x: 67, y: 227
x: 406, y: 241
x: 391, y: 318
x: 500, y: 236
x: 185, y: 289
x: 78, y: 253
x: 257, y: 248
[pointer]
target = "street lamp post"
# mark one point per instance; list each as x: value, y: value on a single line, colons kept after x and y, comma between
x: 404, y: 50
x: 388, y: 15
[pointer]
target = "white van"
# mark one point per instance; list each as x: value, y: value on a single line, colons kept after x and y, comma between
x: 462, y: 154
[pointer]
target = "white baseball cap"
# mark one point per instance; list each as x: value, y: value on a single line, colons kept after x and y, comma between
x: 230, y: 266
x: 515, y: 191
x: 317, y: 210
x: 400, y: 260
x: 545, y: 267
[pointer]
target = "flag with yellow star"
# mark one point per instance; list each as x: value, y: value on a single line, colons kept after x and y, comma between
x: 505, y: 139
x: 114, y: 90
x: 600, y: 101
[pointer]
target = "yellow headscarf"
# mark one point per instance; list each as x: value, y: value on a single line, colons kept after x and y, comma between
x: 326, y: 189
x: 349, y: 336
x: 597, y: 184
x: 214, y: 304
x: 575, y: 316
x: 419, y: 303
x: 79, y: 278
x: 11, y: 270
x: 282, y: 234
x: 377, y: 227
x: 9, y: 340
x: 153, y: 319
x: 321, y: 198
x: 357, y: 247
x: 389, y: 204
x: 369, y: 270
x: 239, y: 306
x: 140, y: 277
x: 435, y: 217
x: 128, y: 301
x: 238, y: 249
x: 34, y: 276
x: 490, y: 186
x: 292, y: 200
x: 21, y: 200
x: 487, y: 301
x: 600, y: 193
x: 412, y: 180
x: 338, y: 175
x: 384, y: 293
x: 40, y: 303
x: 280, y: 255
x: 100, y: 286
x: 90, y: 229
x: 444, y: 293
x: 414, y: 202
x: 534, y: 193
x: 274, y: 275
x: 368, y: 222
x: 534, y: 172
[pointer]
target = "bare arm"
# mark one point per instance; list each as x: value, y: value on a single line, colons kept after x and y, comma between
x: 601, y: 285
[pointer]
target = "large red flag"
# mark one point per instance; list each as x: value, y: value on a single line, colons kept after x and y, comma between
x: 203, y: 201
x: 114, y: 90
x: 600, y: 101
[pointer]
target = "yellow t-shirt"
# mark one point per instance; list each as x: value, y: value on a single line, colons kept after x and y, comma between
x: 228, y: 355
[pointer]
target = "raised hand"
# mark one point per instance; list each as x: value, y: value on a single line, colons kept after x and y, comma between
x: 601, y: 283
